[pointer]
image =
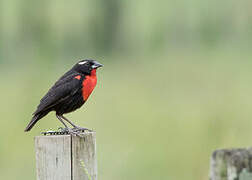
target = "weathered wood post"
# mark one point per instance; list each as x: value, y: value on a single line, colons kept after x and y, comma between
x: 66, y: 157
x: 231, y: 164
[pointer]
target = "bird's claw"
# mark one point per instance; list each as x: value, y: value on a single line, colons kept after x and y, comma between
x: 76, y: 131
x: 81, y: 129
x: 61, y: 129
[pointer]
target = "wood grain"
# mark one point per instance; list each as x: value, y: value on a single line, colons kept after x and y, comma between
x: 84, y: 157
x: 66, y: 157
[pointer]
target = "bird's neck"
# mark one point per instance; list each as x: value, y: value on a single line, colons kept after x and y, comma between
x: 93, y: 72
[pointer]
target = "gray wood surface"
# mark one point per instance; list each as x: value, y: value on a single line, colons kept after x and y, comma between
x: 231, y: 164
x: 65, y: 157
x: 84, y: 157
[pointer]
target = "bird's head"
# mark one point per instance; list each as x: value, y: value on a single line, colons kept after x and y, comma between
x: 86, y: 66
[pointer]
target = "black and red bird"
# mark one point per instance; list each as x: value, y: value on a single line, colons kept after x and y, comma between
x: 69, y: 93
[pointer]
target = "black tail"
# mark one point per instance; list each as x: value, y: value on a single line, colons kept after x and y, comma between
x: 35, y: 120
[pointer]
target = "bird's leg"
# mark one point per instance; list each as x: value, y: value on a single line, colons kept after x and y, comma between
x: 59, y: 118
x: 66, y: 129
x: 75, y: 128
x: 68, y: 121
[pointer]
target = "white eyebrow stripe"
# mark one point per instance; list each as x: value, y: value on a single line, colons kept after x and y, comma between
x: 83, y: 62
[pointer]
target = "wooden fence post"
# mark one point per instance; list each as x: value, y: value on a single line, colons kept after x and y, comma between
x: 231, y: 164
x: 66, y: 157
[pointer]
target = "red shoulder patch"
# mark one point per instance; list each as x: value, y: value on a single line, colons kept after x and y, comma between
x: 78, y: 77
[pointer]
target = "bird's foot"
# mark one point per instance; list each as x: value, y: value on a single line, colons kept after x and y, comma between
x: 81, y: 129
x: 76, y: 131
x: 65, y: 130
x: 69, y: 131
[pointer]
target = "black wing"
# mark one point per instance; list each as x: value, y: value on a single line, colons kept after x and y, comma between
x: 65, y: 87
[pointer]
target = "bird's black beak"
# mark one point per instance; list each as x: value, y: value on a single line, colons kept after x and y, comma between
x: 96, y: 65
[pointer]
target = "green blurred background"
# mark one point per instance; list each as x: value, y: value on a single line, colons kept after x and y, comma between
x: 176, y: 83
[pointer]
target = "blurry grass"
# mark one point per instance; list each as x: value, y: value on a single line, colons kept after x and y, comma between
x: 156, y: 117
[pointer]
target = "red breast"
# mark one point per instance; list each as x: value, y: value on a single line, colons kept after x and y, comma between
x: 89, y: 84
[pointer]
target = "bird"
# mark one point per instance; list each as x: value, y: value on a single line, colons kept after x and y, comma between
x: 68, y: 94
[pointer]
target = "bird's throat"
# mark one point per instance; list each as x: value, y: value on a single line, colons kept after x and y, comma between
x: 93, y: 72
x: 89, y: 84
